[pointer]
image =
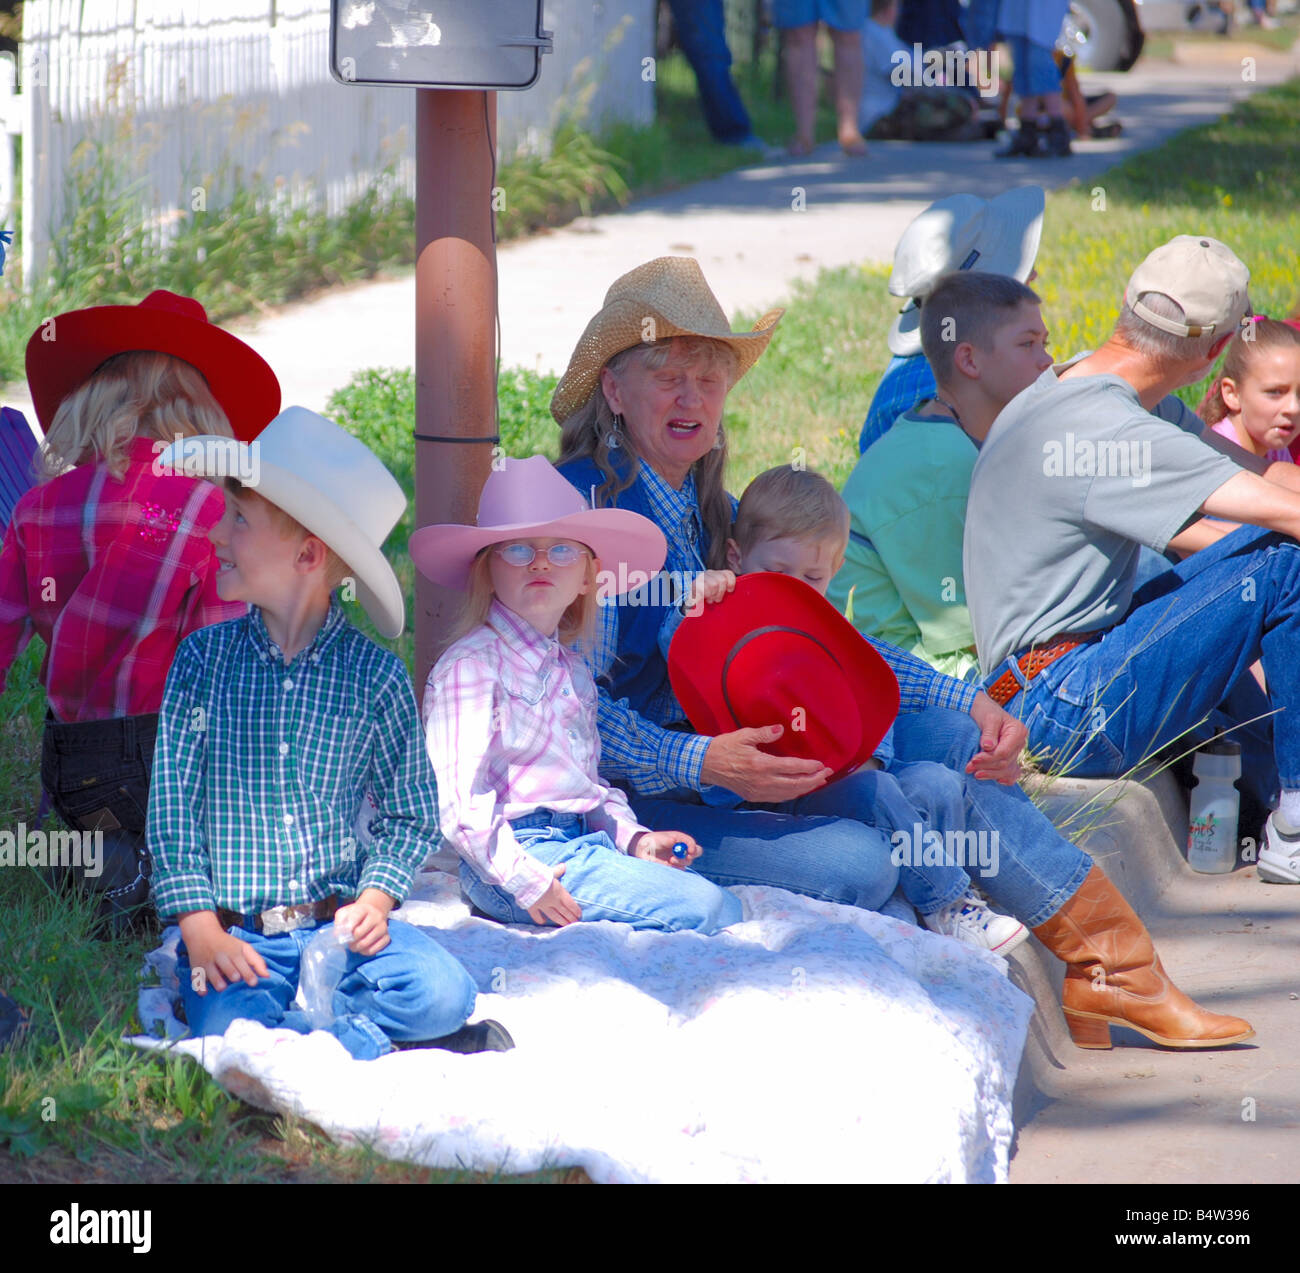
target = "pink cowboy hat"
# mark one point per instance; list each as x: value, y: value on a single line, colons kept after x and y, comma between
x: 528, y: 499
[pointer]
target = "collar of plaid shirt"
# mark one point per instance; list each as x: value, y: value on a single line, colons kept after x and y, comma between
x: 324, y: 638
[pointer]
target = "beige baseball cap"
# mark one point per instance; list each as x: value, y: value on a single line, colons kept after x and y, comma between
x: 962, y: 232
x: 1203, y: 275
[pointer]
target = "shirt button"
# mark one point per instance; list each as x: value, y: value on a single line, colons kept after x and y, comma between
x: 288, y: 819
x: 288, y: 684
x: 294, y: 886
x: 284, y: 749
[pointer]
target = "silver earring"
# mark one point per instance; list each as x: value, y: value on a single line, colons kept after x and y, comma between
x: 612, y: 442
x: 720, y: 441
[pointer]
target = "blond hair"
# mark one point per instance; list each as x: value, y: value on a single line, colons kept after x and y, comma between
x: 577, y: 623
x: 587, y: 432
x: 790, y: 503
x: 142, y: 394
x: 288, y: 527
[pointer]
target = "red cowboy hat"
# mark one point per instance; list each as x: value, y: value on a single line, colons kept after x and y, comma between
x: 776, y: 652
x: 65, y: 351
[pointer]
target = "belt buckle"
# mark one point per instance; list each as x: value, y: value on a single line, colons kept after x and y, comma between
x: 284, y: 919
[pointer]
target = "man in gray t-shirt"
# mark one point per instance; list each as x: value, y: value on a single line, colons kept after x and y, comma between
x: 1076, y: 474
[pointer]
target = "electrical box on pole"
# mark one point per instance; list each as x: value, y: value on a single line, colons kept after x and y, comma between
x: 441, y: 49
x: 438, y: 43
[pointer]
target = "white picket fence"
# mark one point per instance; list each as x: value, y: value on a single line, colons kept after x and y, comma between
x: 213, y: 92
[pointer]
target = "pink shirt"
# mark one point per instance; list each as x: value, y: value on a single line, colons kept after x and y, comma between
x: 1224, y: 429
x: 511, y: 728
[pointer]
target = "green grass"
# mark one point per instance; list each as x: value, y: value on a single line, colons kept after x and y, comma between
x: 124, y: 1115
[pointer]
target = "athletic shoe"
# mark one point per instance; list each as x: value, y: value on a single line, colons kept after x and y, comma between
x: 1279, y: 859
x: 969, y: 920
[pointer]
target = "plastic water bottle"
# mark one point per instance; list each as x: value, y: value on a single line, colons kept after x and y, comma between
x: 1212, y: 818
x: 323, y: 963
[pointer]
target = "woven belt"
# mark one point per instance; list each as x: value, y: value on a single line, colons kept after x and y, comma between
x: 282, y: 919
x: 1033, y: 661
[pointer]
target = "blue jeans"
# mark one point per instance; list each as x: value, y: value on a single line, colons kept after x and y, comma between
x: 1188, y: 640
x: 702, y: 33
x: 1037, y: 869
x: 412, y: 990
x: 835, y: 859
x: 608, y: 884
x: 902, y: 798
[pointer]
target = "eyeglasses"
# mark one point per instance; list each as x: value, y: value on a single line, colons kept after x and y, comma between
x: 556, y: 554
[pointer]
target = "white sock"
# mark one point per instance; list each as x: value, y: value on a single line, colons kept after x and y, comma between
x: 1287, y: 817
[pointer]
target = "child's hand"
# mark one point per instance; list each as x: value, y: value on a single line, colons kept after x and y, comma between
x: 555, y: 906
x: 709, y: 585
x: 216, y: 956
x: 657, y: 846
x: 368, y: 920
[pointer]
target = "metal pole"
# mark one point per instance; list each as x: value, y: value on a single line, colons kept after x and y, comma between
x: 455, y: 329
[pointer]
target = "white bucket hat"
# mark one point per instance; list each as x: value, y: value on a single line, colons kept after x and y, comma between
x: 962, y: 232
x: 325, y: 479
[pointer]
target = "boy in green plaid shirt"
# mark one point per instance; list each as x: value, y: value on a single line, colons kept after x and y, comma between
x: 273, y: 729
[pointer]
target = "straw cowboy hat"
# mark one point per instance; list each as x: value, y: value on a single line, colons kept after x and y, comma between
x: 665, y: 297
x: 67, y: 350
x: 776, y: 652
x: 962, y: 232
x: 324, y: 479
x: 528, y: 499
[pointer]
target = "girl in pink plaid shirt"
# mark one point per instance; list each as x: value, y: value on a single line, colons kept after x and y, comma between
x: 510, y: 711
x: 107, y: 558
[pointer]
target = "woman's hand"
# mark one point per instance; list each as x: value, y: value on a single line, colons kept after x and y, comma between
x: 1002, y: 739
x: 709, y: 585
x: 657, y: 846
x: 735, y: 762
x: 555, y: 906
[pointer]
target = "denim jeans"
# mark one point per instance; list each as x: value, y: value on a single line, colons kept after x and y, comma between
x: 835, y: 859
x: 411, y: 991
x: 1188, y: 640
x: 702, y: 33
x: 902, y: 798
x: 608, y: 884
x: 1038, y: 870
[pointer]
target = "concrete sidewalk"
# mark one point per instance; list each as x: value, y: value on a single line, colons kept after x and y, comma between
x: 742, y: 227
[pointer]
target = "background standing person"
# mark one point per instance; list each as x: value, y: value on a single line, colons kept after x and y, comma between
x: 701, y: 29
x: 1031, y: 28
x: 797, y: 20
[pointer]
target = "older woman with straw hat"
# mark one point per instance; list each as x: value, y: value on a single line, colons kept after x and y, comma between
x: 640, y: 408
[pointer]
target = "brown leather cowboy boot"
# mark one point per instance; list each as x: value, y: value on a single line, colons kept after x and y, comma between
x: 1114, y: 977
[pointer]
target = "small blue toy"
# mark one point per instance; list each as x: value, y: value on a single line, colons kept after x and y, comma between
x: 679, y: 850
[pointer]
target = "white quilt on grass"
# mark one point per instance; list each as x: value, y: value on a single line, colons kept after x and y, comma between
x: 812, y: 1042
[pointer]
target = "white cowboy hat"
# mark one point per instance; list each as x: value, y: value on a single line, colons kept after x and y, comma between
x: 529, y: 499
x: 325, y: 479
x: 962, y: 232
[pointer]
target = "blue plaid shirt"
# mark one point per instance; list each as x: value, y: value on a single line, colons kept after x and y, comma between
x: 260, y: 770
x: 906, y: 382
x: 652, y: 759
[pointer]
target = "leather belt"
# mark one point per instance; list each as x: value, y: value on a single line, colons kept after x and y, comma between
x: 1034, y: 660
x: 282, y: 919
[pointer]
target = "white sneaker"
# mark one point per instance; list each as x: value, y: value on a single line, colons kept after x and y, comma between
x: 1279, y: 859
x: 969, y: 920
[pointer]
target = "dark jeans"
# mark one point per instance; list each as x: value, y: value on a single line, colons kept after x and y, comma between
x: 97, y: 776
x: 702, y: 33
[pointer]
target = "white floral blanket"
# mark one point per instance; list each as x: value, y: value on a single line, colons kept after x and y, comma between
x: 811, y: 1042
